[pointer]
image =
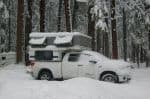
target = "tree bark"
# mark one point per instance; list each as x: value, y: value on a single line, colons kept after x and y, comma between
x: 106, y: 45
x: 91, y: 28
x: 114, y: 33
x: 28, y: 29
x: 67, y: 15
x: 9, y: 26
x: 138, y: 55
x: 124, y: 36
x: 20, y: 31
x: 98, y: 40
x: 149, y: 39
x: 59, y: 16
x: 30, y: 3
x: 42, y: 16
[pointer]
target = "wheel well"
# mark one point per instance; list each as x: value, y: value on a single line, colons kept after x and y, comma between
x: 45, y: 69
x: 107, y: 72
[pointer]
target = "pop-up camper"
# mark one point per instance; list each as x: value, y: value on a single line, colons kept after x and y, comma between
x: 66, y: 55
x: 58, y: 43
x: 60, y: 39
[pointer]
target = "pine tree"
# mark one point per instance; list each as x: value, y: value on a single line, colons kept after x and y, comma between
x: 28, y: 28
x: 113, y: 29
x: 20, y: 31
x: 42, y: 15
x: 91, y: 26
x: 68, y: 15
x: 59, y: 16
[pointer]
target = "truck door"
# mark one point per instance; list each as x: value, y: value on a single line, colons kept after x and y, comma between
x: 78, y: 65
x: 70, y: 65
x: 86, y: 68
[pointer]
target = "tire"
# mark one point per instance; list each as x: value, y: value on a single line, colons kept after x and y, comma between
x: 45, y: 75
x: 109, y: 78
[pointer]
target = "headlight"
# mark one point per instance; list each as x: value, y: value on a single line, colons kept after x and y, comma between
x: 127, y: 67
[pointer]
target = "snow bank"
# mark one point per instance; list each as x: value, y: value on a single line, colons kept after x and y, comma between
x: 7, y: 58
x: 148, y: 1
x: 16, y: 84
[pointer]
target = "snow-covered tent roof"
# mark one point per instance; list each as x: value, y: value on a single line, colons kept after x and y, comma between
x: 37, y: 41
x: 60, y: 39
x: 54, y: 34
x: 63, y: 39
x: 82, y: 0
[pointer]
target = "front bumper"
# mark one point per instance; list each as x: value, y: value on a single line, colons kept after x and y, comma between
x: 29, y: 70
x: 124, y: 78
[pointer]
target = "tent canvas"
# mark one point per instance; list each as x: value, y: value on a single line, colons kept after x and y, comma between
x: 60, y: 39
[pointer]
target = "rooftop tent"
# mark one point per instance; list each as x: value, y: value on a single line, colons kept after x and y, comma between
x: 60, y: 39
x: 63, y: 40
x: 82, y: 41
x: 82, y: 0
x: 37, y: 41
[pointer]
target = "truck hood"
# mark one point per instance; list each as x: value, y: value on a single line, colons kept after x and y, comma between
x: 114, y: 63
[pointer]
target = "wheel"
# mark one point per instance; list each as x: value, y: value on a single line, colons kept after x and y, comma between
x: 110, y: 78
x: 45, y: 75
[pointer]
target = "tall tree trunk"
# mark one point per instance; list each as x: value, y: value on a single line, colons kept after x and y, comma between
x: 124, y: 36
x: 9, y: 26
x: 138, y: 55
x: 106, y: 45
x: 133, y: 52
x: 142, y: 54
x: 20, y: 31
x: 30, y: 3
x: 28, y: 29
x: 91, y: 27
x: 68, y: 15
x: 98, y: 40
x: 42, y: 15
x: 114, y: 33
x: 59, y: 16
x: 149, y: 39
x: 74, y: 14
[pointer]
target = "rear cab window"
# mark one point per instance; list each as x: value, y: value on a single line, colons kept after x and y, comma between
x: 43, y: 55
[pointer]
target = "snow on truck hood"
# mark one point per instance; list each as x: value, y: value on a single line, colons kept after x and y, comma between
x: 115, y: 63
x: 102, y: 60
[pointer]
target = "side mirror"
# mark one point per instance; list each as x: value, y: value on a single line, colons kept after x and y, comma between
x: 93, y: 61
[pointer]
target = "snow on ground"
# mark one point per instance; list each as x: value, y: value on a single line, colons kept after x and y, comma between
x: 148, y: 2
x: 15, y: 83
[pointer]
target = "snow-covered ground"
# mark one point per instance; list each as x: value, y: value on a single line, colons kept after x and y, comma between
x: 15, y: 83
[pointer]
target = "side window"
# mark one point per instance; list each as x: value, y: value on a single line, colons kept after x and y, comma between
x: 73, y: 57
x: 44, y: 55
x: 85, y: 58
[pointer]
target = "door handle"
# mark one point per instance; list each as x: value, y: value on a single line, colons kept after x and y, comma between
x: 80, y: 65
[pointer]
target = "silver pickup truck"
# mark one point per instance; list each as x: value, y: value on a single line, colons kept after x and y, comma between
x: 80, y: 64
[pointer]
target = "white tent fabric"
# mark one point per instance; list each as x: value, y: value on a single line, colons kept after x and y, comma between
x: 63, y: 39
x: 37, y: 41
